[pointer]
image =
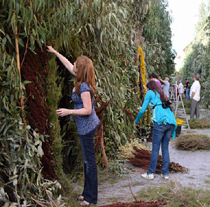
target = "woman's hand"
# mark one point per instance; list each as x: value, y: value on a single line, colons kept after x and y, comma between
x: 139, y: 108
x: 63, y: 112
x: 51, y: 49
x: 135, y: 124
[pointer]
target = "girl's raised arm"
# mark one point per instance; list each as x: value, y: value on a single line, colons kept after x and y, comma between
x: 64, y: 60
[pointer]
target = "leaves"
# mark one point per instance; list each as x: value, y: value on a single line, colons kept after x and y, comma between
x: 197, y: 56
x: 105, y: 31
x: 158, y: 45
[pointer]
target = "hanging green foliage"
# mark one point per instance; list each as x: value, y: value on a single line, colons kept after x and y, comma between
x: 158, y: 44
x: 106, y: 31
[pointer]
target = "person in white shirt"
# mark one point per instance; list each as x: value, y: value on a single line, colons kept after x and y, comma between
x: 195, y: 97
x: 181, y: 89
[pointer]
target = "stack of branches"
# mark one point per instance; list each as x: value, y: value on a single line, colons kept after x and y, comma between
x: 153, y: 203
x: 193, y: 142
x: 142, y: 159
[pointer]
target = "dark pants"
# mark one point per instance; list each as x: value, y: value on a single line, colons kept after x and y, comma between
x: 194, y: 109
x: 90, y: 192
x: 161, y: 136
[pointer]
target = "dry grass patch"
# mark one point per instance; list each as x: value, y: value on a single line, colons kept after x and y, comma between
x: 207, y: 181
x: 199, y: 123
x: 186, y: 104
x: 187, y: 110
x: 177, y: 196
x: 193, y: 142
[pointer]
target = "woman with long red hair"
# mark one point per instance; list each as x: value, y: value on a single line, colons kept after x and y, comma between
x: 86, y: 120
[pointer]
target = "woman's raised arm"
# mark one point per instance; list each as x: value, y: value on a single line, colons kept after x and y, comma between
x: 64, y: 60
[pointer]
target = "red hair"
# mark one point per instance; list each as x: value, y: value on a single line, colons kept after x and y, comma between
x: 85, y: 73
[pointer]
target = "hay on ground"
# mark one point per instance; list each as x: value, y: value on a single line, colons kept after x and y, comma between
x: 193, y: 142
x: 199, y: 123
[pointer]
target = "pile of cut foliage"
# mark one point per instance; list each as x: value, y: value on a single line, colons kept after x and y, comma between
x: 193, y: 142
x: 199, y: 123
x: 127, y: 151
x: 142, y: 159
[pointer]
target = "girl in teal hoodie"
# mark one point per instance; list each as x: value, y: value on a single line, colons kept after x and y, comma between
x: 164, y: 126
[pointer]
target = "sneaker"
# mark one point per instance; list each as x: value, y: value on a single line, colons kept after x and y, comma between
x: 148, y: 176
x: 166, y: 177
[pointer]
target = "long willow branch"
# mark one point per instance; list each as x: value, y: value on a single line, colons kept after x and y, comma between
x: 18, y: 66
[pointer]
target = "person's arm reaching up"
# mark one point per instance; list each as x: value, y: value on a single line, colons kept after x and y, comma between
x: 162, y: 81
x: 64, y: 60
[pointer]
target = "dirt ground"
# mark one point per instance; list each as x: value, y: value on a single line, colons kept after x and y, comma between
x: 198, y: 176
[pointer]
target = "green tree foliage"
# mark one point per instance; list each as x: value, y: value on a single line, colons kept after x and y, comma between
x: 105, y: 31
x: 21, y: 183
x: 109, y: 34
x: 197, y: 57
x: 157, y: 32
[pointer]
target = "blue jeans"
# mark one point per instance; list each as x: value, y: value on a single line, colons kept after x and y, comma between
x: 90, y: 192
x: 161, y: 136
x: 188, y: 94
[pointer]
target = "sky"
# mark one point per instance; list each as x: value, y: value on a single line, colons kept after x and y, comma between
x: 185, y: 15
